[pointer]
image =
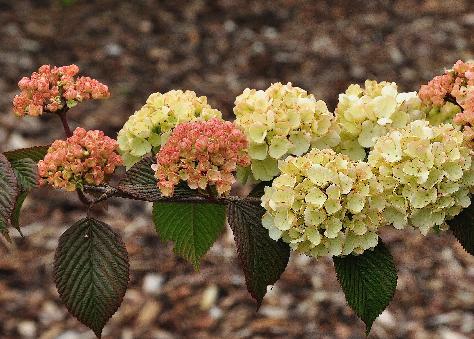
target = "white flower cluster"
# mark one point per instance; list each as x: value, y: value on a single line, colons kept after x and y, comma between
x: 426, y: 174
x: 152, y: 124
x: 324, y: 204
x: 365, y: 114
x: 280, y: 121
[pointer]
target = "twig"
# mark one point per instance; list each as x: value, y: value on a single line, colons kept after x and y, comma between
x: 451, y: 99
x: 62, y: 115
x: 109, y: 192
x: 82, y: 197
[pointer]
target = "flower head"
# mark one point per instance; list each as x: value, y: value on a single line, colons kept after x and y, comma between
x: 279, y: 121
x: 366, y: 113
x: 450, y: 98
x: 324, y: 204
x: 152, y: 124
x: 52, y: 88
x: 435, y: 92
x: 425, y: 172
x: 202, y: 153
x: 86, y: 157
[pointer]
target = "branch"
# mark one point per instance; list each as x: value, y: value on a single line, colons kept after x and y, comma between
x: 62, y: 116
x: 82, y: 197
x: 109, y: 192
x: 451, y: 99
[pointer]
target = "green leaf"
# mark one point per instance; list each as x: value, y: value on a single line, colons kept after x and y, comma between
x: 263, y: 260
x: 8, y: 193
x: 26, y: 171
x: 193, y: 227
x: 15, y: 220
x: 91, y: 272
x: 35, y: 153
x: 368, y: 280
x: 462, y: 227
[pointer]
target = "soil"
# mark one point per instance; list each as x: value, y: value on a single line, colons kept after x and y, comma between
x: 218, y: 48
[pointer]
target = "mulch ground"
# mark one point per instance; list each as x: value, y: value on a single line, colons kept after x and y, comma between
x: 218, y: 48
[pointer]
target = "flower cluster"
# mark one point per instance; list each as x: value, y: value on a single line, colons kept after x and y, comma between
x: 279, y: 121
x: 426, y: 174
x: 204, y: 154
x: 86, y: 157
x: 452, y: 95
x: 436, y: 91
x: 365, y: 114
x: 151, y: 125
x: 52, y: 88
x: 324, y: 204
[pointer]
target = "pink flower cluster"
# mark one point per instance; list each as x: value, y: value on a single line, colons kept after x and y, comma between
x: 435, y: 92
x: 51, y: 88
x: 204, y: 154
x: 456, y: 84
x: 84, y: 158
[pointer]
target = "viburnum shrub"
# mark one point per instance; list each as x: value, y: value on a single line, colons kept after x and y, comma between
x: 322, y: 183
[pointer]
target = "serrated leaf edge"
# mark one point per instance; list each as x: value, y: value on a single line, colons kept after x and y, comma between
x: 369, y: 326
x: 97, y: 332
x: 233, y: 208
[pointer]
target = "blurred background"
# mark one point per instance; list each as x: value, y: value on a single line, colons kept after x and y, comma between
x: 218, y: 48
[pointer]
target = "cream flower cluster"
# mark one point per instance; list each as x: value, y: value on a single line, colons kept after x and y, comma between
x: 280, y: 121
x: 426, y: 174
x: 383, y: 158
x: 366, y: 113
x: 324, y: 204
x: 152, y: 124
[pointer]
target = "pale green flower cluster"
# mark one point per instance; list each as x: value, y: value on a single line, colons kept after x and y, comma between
x: 441, y: 114
x: 426, y: 174
x: 366, y: 113
x: 324, y: 204
x: 280, y: 121
x: 152, y: 124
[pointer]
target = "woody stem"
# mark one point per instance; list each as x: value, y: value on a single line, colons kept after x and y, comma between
x: 62, y: 116
x: 109, y: 192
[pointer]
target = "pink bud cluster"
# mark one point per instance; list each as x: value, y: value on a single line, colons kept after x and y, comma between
x: 86, y: 157
x: 51, y: 88
x: 456, y: 84
x: 204, y: 154
x: 435, y: 92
